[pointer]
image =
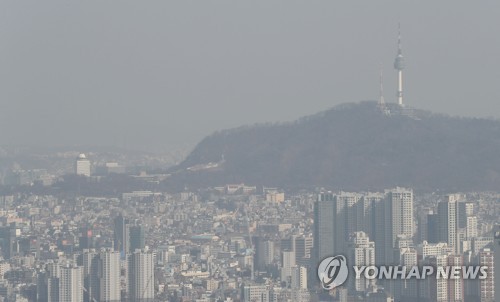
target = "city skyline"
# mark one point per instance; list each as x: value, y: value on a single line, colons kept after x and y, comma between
x: 279, y: 151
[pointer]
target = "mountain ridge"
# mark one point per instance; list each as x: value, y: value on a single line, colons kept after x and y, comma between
x: 352, y: 146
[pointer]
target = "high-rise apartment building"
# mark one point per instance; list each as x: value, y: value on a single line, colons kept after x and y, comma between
x: 61, y: 283
x: 108, y: 274
x: 140, y: 276
x: 383, y: 216
x: 101, y: 275
x: 449, y: 221
x: 487, y: 289
x: 398, y: 210
x: 361, y: 253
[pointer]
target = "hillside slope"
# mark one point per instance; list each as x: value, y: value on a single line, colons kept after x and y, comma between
x: 351, y: 147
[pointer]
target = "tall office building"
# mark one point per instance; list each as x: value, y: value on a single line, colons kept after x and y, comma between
x: 303, y: 247
x: 141, y: 277
x: 8, y: 235
x: 288, y: 244
x: 324, y: 226
x: 85, y: 241
x: 264, y: 253
x: 41, y: 286
x: 121, y: 236
x: 432, y: 227
x: 378, y: 231
x: 348, y: 220
x: 82, y: 165
x: 137, y: 238
x: 423, y: 223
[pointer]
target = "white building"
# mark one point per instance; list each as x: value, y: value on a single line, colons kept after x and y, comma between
x: 287, y: 262
x: 82, y: 165
x: 70, y: 284
x: 426, y: 249
x: 398, y: 220
x: 472, y: 227
x: 487, y: 286
x: 361, y: 253
x: 109, y: 276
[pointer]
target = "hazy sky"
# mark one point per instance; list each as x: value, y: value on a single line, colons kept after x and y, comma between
x: 161, y: 74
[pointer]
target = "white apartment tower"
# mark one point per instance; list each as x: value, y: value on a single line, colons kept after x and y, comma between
x: 398, y: 212
x: 361, y: 253
x: 487, y: 291
x: 82, y: 165
x: 70, y: 284
x: 448, y: 221
x: 109, y: 276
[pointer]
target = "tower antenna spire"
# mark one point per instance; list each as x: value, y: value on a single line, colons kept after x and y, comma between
x: 400, y: 49
x: 399, y: 65
x: 381, y: 101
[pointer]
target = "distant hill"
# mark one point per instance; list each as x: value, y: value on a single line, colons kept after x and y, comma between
x: 351, y: 147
